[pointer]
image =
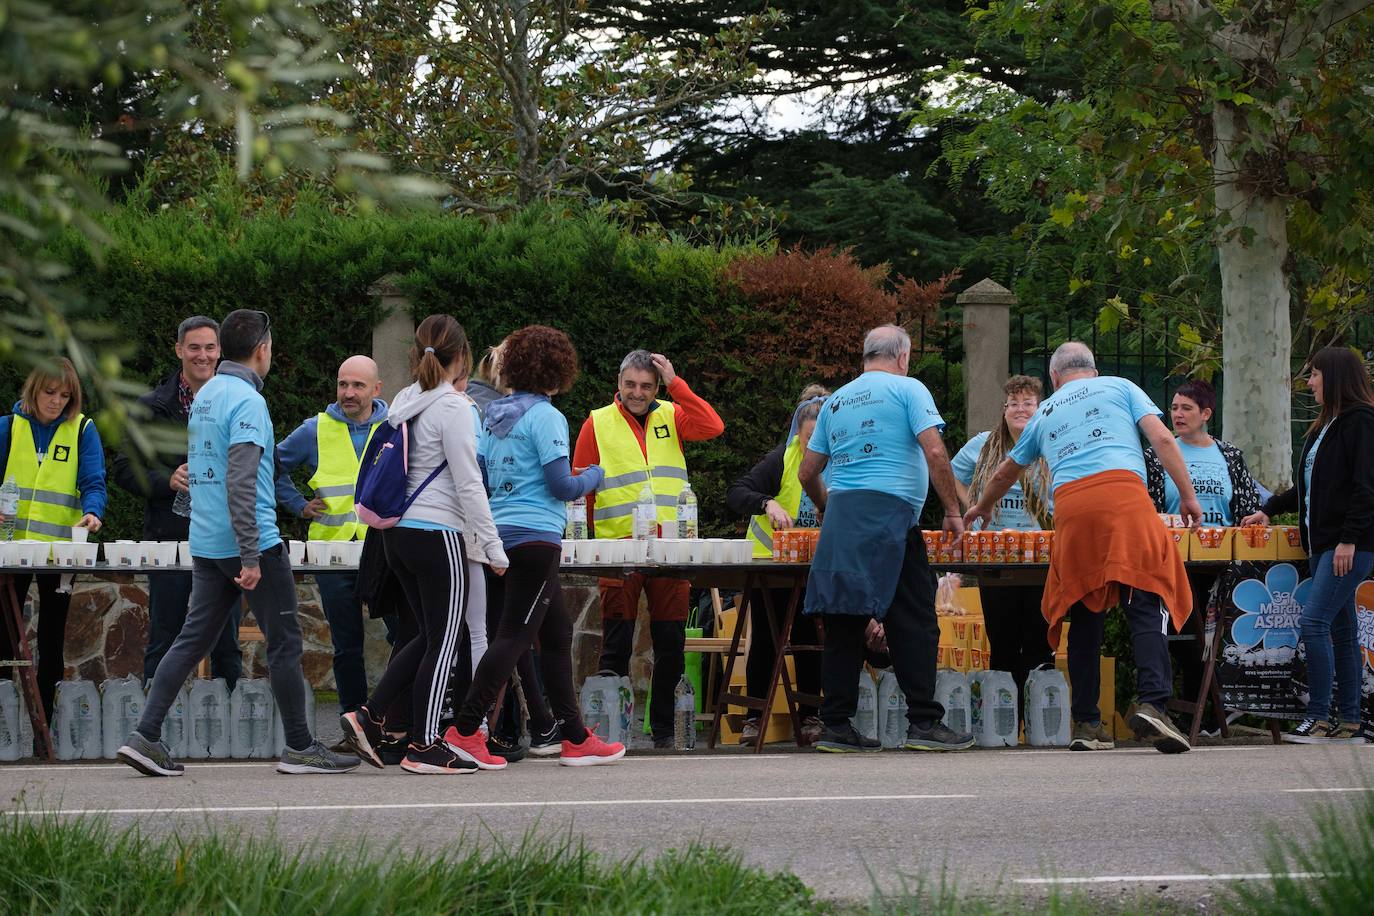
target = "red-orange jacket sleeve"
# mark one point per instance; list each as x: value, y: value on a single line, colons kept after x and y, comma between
x: 696, y: 420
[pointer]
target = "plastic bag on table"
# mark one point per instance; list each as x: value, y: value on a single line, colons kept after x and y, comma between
x: 947, y: 596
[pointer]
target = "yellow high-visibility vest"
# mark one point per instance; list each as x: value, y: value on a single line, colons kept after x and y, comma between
x: 627, y: 469
x: 49, y: 500
x: 789, y: 497
x: 336, y: 475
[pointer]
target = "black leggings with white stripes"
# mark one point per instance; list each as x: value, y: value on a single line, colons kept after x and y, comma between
x: 531, y: 608
x: 432, y: 569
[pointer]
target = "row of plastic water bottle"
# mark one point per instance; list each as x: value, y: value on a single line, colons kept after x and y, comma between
x: 205, y: 721
x: 645, y: 517
x: 983, y: 702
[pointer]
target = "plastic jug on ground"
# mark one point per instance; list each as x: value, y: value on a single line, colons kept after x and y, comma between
x: 76, y: 721
x: 1047, y: 708
x: 279, y: 730
x: 121, y: 706
x: 865, y: 719
x: 892, y: 721
x: 600, y: 706
x: 176, y: 726
x: 250, y: 718
x: 16, y: 732
x: 952, y: 692
x: 992, y: 699
x: 209, y: 717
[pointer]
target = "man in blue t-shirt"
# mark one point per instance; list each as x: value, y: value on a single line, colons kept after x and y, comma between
x: 1108, y: 540
x: 236, y: 550
x: 878, y: 440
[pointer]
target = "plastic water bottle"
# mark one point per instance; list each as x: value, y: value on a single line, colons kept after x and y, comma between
x: 993, y: 699
x: 684, y: 715
x: 121, y: 706
x: 576, y: 527
x: 646, y: 515
x: 865, y: 719
x: 9, y: 507
x: 596, y: 704
x: 892, y: 721
x: 625, y: 707
x: 176, y: 725
x: 1047, y: 719
x: 76, y: 721
x: 181, y: 503
x: 250, y: 716
x: 16, y: 734
x: 952, y: 692
x: 687, y: 513
x: 209, y: 719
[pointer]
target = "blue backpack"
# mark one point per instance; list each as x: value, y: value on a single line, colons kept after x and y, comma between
x: 380, y: 494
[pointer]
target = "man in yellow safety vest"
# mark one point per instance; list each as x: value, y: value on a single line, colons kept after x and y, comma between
x: 331, y: 444
x: 637, y: 439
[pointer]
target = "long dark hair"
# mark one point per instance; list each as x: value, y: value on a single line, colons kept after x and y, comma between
x: 438, y: 341
x: 1345, y: 383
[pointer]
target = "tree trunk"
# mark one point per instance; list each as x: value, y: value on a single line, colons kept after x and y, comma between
x: 1256, y: 332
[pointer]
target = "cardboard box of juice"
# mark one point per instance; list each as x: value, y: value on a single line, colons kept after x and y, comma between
x: 1212, y: 544
x: 1288, y: 543
x: 1257, y: 542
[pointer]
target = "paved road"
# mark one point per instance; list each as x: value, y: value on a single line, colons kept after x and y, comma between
x: 995, y: 819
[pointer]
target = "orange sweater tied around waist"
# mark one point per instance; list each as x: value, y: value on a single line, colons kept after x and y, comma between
x: 1107, y: 534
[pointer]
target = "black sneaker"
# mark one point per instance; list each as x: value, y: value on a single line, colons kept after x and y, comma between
x: 151, y: 758
x: 1344, y: 733
x: 364, y: 733
x: 1309, y: 731
x: 845, y: 740
x: 438, y: 759
x: 1155, y: 726
x: 392, y: 749
x: 549, y: 743
x: 936, y: 736
x: 502, y: 746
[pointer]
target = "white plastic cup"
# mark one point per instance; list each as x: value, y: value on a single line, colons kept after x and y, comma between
x: 79, y: 534
x: 143, y: 552
x: 584, y: 552
x: 64, y: 553
x: 569, y: 554
x: 84, y: 555
x: 744, y: 550
x: 161, y: 554
x: 184, y: 553
x: 8, y: 553
x: 33, y: 553
x: 692, y: 551
x: 297, y: 552
x: 318, y: 552
x: 352, y: 553
x: 718, y: 550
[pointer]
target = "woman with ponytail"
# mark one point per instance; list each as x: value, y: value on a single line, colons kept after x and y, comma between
x: 1016, y: 629
x: 426, y: 550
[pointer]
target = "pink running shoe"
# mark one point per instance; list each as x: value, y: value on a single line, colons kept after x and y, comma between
x: 473, y: 748
x: 591, y: 752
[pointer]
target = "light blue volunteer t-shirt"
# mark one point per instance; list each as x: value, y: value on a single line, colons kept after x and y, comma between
x: 1086, y: 427
x: 515, y: 470
x: 1010, y: 511
x: 1307, y: 475
x: 1211, y: 479
x: 868, y: 429
x: 227, y: 411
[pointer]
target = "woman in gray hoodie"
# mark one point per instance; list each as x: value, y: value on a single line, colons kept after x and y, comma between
x: 427, y: 551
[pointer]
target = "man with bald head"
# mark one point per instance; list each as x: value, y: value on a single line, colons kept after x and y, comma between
x: 330, y: 445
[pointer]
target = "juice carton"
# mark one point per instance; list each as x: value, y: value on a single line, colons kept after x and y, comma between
x: 1257, y: 542
x: 959, y: 656
x: 1212, y: 544
x: 975, y: 660
x: 999, y: 547
x: 1181, y: 539
x: 962, y: 628
x: 1044, y: 543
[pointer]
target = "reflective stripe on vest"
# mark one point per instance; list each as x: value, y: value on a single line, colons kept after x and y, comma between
x: 789, y: 497
x: 627, y: 469
x: 336, y: 475
x: 49, y: 501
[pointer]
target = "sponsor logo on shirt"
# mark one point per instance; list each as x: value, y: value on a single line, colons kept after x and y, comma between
x: 660, y: 432
x: 61, y: 453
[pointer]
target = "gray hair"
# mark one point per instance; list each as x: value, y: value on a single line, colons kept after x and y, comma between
x: 195, y: 323
x: 638, y: 359
x: 888, y: 342
x: 1073, y: 356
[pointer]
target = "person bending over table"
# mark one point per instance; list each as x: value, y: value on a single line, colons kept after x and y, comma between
x: 1334, y: 499
x: 52, y: 452
x: 879, y: 435
x: 1016, y: 628
x: 772, y: 495
x: 639, y: 439
x: 1109, y: 545
x: 1225, y: 490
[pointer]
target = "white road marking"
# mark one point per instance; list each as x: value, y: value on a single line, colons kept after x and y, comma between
x: 1367, y: 789
x: 1173, y: 879
x: 436, y: 806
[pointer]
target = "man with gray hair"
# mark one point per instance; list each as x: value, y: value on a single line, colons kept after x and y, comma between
x: 1109, y: 545
x: 880, y: 436
x: 638, y: 440
x: 158, y: 483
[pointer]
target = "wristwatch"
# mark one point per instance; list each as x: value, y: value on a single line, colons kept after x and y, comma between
x: 763, y: 506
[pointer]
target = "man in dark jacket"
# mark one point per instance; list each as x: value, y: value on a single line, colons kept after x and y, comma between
x: 158, y: 483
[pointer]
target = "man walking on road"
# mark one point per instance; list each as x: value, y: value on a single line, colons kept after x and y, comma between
x: 1109, y: 545
x: 637, y: 439
x: 159, y: 484
x: 881, y: 436
x: 331, y: 444
x: 235, y: 549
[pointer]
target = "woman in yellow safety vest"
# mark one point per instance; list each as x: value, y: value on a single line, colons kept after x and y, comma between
x: 773, y: 497
x: 52, y: 453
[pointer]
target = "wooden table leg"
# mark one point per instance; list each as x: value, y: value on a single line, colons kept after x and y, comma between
x: 781, y: 638
x: 723, y: 691
x: 13, y: 614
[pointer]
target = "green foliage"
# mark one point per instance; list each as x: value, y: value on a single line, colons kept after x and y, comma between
x: 49, y: 865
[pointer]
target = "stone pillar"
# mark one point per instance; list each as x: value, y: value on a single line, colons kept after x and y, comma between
x: 393, y: 336
x: 987, y: 351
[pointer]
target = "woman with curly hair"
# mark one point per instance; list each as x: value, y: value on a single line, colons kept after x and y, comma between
x: 524, y: 451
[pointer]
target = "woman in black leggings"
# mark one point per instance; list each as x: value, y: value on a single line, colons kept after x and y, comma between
x: 524, y: 453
